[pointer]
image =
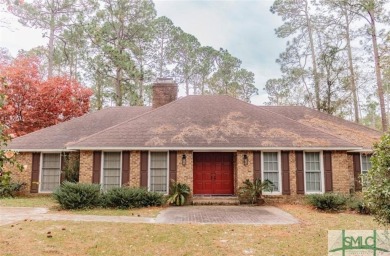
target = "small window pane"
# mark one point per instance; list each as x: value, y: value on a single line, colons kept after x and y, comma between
x: 111, y: 170
x: 51, y: 171
x: 159, y: 172
x: 271, y: 168
x: 313, y: 172
x: 366, y: 163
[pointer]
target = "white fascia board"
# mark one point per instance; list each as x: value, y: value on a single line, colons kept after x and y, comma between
x: 219, y: 149
x: 362, y: 150
x: 43, y: 150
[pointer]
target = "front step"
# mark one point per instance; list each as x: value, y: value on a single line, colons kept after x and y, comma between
x: 215, y: 200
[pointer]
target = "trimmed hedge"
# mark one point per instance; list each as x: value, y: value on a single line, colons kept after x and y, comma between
x: 84, y: 196
x: 327, y: 201
x: 125, y: 197
x: 77, y: 195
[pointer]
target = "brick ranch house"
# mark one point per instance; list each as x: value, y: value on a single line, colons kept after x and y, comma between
x: 212, y: 143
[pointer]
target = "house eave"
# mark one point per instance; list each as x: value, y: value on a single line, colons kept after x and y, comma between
x: 362, y: 150
x: 56, y: 150
x: 216, y: 149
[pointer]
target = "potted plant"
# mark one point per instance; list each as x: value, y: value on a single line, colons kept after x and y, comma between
x: 178, y: 193
x: 254, y: 190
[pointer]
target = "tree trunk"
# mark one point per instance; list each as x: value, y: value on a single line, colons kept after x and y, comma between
x: 314, y: 62
x: 51, y: 47
x: 187, y: 88
x: 99, y: 94
x: 118, y: 87
x: 351, y: 69
x: 141, y: 88
x: 378, y: 72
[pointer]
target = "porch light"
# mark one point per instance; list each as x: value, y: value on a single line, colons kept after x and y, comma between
x: 183, y: 159
x: 245, y: 160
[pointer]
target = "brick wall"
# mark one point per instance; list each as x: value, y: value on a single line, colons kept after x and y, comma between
x: 185, y: 173
x: 135, y: 168
x: 293, y: 176
x: 25, y: 159
x: 350, y: 169
x: 243, y: 172
x: 86, y: 161
x: 342, y: 172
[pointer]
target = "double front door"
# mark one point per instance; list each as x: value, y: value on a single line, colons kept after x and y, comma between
x: 213, y: 173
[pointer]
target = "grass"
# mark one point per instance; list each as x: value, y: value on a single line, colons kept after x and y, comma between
x: 32, y: 201
x: 49, y: 202
x: 309, y: 237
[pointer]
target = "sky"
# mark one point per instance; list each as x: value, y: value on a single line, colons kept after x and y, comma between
x: 244, y: 27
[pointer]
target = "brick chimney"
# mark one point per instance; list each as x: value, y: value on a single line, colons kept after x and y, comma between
x: 164, y: 92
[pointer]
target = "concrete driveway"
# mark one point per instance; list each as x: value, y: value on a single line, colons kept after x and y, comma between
x: 252, y: 215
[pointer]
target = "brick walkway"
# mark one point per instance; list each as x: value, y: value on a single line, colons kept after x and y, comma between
x: 186, y: 214
x: 226, y: 215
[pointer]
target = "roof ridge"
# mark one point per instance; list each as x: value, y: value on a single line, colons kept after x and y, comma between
x: 311, y: 127
x: 128, y: 120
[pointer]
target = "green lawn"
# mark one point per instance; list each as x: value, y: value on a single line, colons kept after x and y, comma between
x: 309, y: 237
x: 32, y: 201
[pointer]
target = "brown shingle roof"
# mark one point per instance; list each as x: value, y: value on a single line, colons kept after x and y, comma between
x: 212, y: 122
x: 55, y: 137
x: 349, y: 131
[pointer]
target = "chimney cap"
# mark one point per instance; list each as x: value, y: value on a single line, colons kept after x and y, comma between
x: 165, y: 80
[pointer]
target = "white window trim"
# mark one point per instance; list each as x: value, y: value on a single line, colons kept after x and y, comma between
x: 149, y: 172
x: 102, y: 168
x: 321, y: 174
x: 279, y: 171
x: 41, y: 172
x: 361, y: 162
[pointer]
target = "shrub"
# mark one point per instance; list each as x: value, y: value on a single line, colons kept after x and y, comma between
x: 327, y: 201
x: 357, y: 204
x: 376, y: 193
x: 9, y: 189
x: 77, y: 195
x: 125, y: 197
x: 178, y: 193
x: 254, y: 190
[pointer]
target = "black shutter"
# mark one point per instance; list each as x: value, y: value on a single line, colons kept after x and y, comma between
x: 286, y: 173
x: 300, y: 172
x: 36, y: 159
x: 357, y: 171
x: 256, y: 165
x: 96, y: 166
x: 125, y: 167
x: 172, y: 166
x: 64, y: 162
x: 144, y: 169
x: 328, y: 171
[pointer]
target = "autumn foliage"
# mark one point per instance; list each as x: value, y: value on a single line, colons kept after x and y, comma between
x: 32, y: 103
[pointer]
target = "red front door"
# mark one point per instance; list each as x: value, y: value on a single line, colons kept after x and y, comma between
x: 213, y: 173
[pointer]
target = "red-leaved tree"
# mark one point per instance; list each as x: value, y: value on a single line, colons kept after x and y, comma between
x: 32, y: 103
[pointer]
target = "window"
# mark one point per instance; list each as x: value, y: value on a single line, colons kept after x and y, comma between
x: 158, y: 181
x: 111, y: 170
x: 51, y: 172
x: 313, y: 172
x: 271, y: 169
x: 366, y: 163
